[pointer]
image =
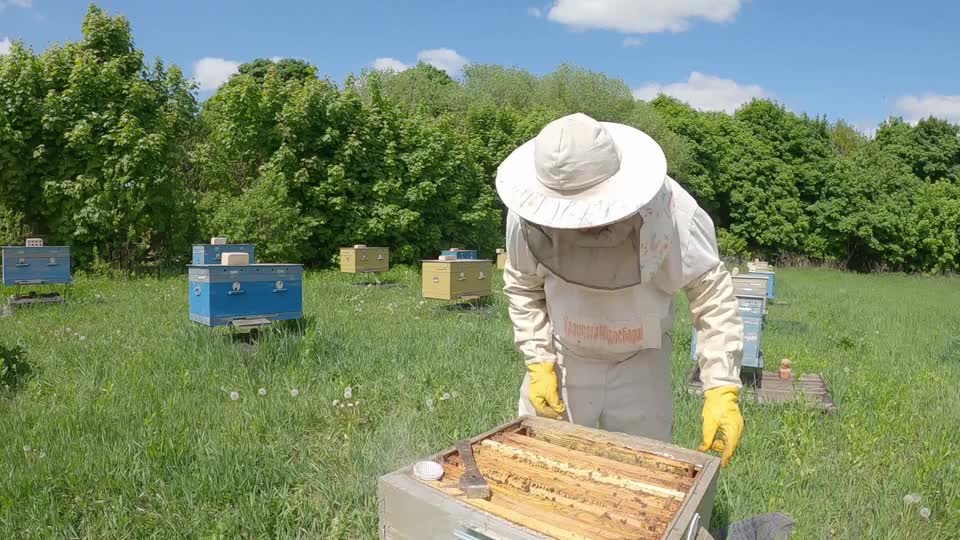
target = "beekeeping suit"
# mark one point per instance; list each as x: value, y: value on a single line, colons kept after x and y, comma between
x: 599, y: 239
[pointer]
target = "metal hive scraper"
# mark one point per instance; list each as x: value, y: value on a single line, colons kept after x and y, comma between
x: 472, y: 482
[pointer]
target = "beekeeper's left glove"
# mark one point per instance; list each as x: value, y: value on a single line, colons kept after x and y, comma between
x: 722, y: 422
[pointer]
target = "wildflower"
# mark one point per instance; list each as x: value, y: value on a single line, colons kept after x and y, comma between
x: 294, y: 392
x: 262, y: 391
x: 234, y: 395
x: 911, y: 498
x: 925, y: 513
x: 347, y: 393
x: 429, y: 404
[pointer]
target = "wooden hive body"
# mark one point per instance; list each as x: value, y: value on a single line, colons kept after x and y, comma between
x: 211, y: 253
x: 368, y: 259
x: 752, y: 310
x: 36, y: 265
x: 221, y: 294
x: 501, y: 260
x: 749, y: 285
x: 450, y: 280
x: 554, y: 479
x: 769, y: 276
x: 460, y: 253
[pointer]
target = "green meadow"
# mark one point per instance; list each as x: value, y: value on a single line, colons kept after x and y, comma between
x: 129, y: 421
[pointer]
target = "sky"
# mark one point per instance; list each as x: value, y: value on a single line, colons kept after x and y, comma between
x: 857, y: 60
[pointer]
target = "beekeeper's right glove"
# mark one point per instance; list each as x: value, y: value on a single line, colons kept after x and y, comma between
x: 544, y: 390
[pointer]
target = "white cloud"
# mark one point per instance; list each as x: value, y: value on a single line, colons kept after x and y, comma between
x: 210, y: 73
x: 705, y: 92
x: 26, y: 4
x: 633, y: 41
x: 446, y: 59
x: 276, y: 58
x: 534, y: 12
x: 389, y: 64
x: 641, y: 16
x: 5, y: 45
x: 915, y: 108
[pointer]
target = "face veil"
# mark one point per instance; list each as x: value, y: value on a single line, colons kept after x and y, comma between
x: 623, y: 254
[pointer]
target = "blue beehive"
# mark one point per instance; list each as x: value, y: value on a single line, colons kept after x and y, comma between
x: 470, y: 254
x: 211, y: 253
x: 222, y: 294
x: 770, y: 280
x: 751, y: 311
x: 41, y: 265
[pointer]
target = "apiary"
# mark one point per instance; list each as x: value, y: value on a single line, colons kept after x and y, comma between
x: 501, y: 258
x: 459, y: 254
x: 363, y: 259
x: 36, y: 265
x: 768, y: 275
x: 553, y: 479
x: 453, y: 279
x: 225, y: 294
x: 211, y: 253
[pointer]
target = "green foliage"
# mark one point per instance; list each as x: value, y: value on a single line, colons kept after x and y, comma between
x: 100, y: 150
x: 92, y: 144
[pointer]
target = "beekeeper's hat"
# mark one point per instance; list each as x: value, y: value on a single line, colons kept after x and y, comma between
x: 580, y: 173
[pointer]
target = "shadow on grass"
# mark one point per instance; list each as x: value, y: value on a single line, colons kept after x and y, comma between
x: 15, y: 369
x: 479, y: 306
x: 787, y: 327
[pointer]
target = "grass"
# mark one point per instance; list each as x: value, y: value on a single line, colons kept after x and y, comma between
x: 126, y: 429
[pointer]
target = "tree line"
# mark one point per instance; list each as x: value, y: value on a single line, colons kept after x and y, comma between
x: 116, y: 156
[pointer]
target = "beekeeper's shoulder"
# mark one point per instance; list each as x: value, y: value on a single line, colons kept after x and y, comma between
x: 685, y: 210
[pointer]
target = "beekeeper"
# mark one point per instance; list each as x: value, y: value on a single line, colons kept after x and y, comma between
x: 599, y: 239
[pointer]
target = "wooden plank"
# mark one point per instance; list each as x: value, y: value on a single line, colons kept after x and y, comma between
x: 666, y: 456
x: 673, y: 483
x: 507, y: 470
x: 541, y: 515
x: 583, y: 470
x: 808, y: 388
x: 619, y: 453
x: 576, y: 497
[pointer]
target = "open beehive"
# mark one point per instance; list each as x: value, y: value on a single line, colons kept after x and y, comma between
x: 552, y: 479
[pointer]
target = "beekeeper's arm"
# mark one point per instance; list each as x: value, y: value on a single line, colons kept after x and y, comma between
x: 532, y: 331
x: 716, y: 317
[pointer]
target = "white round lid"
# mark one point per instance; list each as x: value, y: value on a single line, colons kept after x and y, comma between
x: 430, y: 471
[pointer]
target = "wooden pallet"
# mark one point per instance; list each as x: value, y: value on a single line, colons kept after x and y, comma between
x: 15, y: 301
x: 809, y: 389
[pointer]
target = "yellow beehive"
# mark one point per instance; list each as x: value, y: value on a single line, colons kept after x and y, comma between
x: 360, y: 259
x: 501, y: 258
x: 453, y: 279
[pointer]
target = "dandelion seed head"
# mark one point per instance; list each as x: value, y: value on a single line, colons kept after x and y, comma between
x: 335, y: 402
x: 911, y: 498
x: 430, y: 404
x: 445, y: 396
x: 294, y: 392
x: 26, y: 448
x: 925, y: 513
x: 347, y: 393
x: 262, y: 391
x: 234, y: 395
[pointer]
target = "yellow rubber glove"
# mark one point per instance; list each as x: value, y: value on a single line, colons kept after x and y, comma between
x: 721, y: 413
x: 544, y: 390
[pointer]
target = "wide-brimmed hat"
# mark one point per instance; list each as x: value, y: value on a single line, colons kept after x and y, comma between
x: 580, y: 173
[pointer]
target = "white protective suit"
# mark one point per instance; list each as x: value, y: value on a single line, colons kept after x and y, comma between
x: 611, y: 345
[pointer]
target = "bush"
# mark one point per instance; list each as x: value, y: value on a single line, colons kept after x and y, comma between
x: 14, y: 367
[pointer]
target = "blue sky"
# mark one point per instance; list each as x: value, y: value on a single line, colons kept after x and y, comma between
x: 853, y: 59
